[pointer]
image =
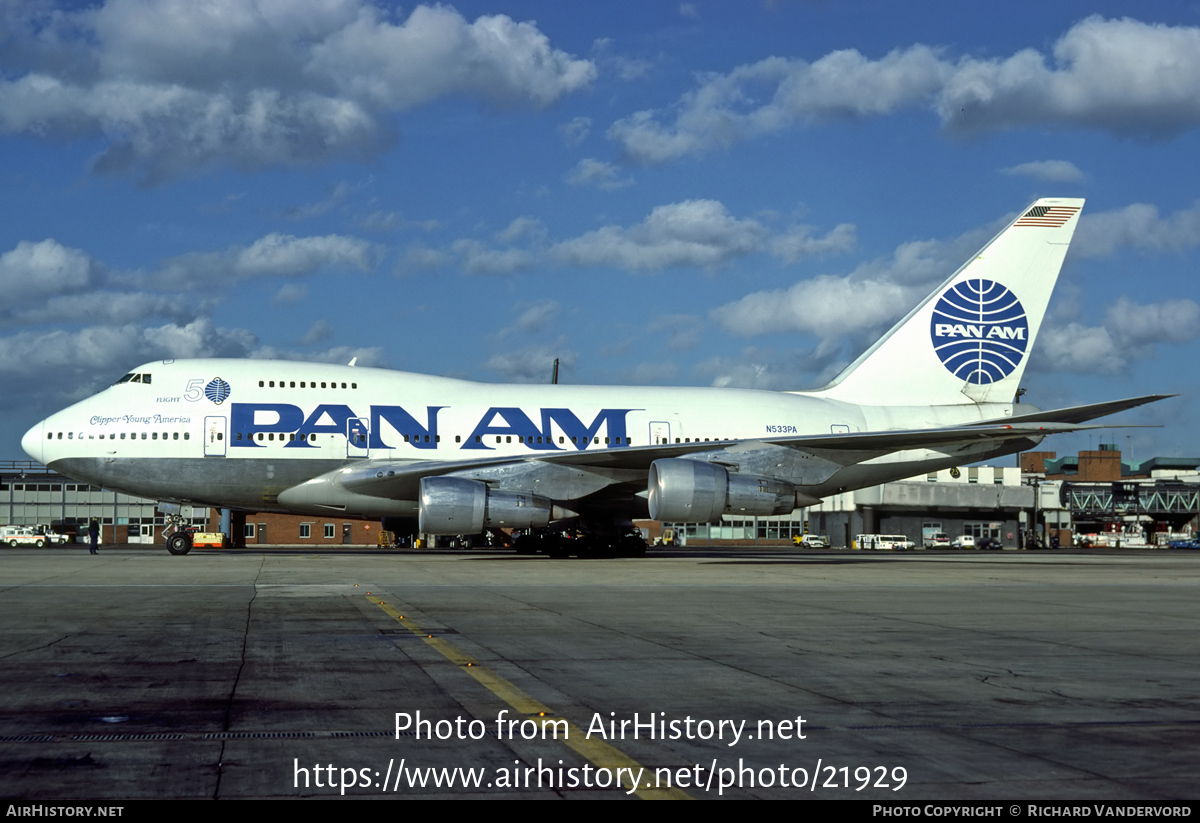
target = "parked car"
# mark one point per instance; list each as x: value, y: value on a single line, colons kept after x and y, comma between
x: 21, y: 536
x: 53, y: 538
x: 811, y: 541
x: 988, y: 544
x: 963, y: 541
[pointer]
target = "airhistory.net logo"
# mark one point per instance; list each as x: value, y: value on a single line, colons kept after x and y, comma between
x: 979, y: 331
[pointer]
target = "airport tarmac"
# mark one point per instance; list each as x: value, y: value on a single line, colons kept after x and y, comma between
x: 900, y: 677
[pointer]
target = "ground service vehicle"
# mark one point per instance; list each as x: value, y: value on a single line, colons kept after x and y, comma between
x: 885, y: 542
x: 16, y: 536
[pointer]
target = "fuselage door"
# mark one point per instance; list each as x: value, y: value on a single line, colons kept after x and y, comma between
x: 358, y: 432
x: 660, y: 432
x: 215, y: 435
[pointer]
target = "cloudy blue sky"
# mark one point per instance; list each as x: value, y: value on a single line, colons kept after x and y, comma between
x: 698, y: 193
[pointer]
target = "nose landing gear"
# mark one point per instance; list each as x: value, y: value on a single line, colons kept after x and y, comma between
x: 178, y: 534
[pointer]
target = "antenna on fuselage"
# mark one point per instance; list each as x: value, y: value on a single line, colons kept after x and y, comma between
x: 554, y: 376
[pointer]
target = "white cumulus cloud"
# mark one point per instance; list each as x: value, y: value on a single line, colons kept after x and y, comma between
x: 825, y: 306
x: 1137, y: 226
x: 275, y: 254
x: 477, y: 258
x: 592, y: 172
x: 726, y: 109
x: 58, y: 356
x: 1052, y: 171
x: 1123, y: 76
x: 33, y: 271
x: 1130, y: 332
x: 691, y: 233
x: 798, y: 242
x: 171, y: 86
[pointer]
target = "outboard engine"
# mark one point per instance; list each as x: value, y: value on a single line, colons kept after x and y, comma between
x: 690, y: 491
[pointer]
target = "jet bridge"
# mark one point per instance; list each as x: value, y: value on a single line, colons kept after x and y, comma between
x: 1165, y: 501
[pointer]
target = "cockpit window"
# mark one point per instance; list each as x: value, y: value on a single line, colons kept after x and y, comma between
x: 126, y: 378
x: 134, y: 378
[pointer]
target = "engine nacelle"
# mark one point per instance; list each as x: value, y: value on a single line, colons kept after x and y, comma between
x: 690, y: 491
x: 452, y: 505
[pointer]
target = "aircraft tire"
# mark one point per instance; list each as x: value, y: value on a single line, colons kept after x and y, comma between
x: 178, y: 544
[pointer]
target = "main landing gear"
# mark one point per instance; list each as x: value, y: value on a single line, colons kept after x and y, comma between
x: 579, y: 543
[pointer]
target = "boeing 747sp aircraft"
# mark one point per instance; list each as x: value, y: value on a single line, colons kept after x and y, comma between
x: 459, y: 457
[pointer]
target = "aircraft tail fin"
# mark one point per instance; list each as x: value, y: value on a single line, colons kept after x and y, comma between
x: 970, y: 340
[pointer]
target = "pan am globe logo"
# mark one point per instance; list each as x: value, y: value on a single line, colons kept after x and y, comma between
x: 979, y: 331
x: 217, y: 390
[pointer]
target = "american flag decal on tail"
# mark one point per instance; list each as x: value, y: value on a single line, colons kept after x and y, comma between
x: 1050, y: 217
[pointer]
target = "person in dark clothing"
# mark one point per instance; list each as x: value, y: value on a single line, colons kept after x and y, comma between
x: 94, y: 535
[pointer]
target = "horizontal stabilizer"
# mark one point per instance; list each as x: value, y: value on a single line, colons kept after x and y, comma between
x: 1081, y: 414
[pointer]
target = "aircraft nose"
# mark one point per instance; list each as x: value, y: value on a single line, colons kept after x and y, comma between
x: 32, y: 442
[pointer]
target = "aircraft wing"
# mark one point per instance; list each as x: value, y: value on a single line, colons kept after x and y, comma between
x: 397, y: 478
x: 573, y: 475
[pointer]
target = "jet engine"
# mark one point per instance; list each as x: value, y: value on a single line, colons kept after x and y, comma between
x: 690, y: 491
x: 452, y: 505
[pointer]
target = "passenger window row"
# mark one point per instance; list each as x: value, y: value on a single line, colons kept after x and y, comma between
x: 304, y: 384
x: 114, y: 436
x: 270, y: 436
x: 508, y: 438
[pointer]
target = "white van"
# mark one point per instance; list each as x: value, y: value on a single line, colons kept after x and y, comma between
x: 21, y: 536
